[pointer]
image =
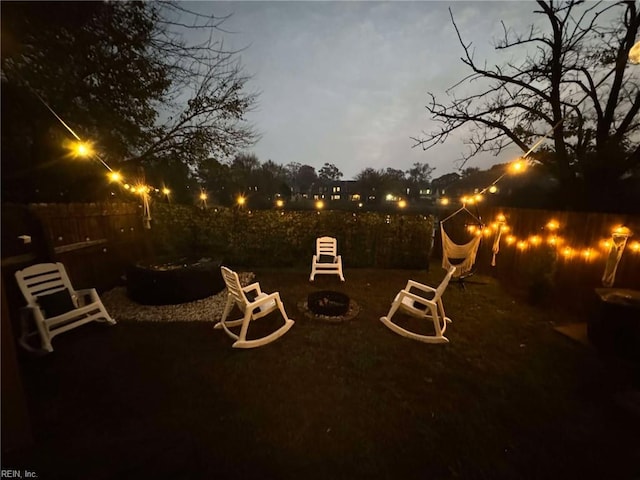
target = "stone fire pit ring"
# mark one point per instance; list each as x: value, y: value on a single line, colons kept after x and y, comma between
x: 329, y: 306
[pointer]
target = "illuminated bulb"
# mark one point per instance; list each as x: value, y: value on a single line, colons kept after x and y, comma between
x: 522, y: 245
x: 115, y: 176
x: 487, y: 231
x: 567, y: 252
x: 444, y: 201
x: 402, y: 203
x: 501, y: 218
x: 621, y: 230
x: 510, y: 239
x: 552, y: 240
x: 505, y: 228
x: 471, y: 228
x: 635, y: 247
x: 241, y: 200
x: 517, y: 167
x: 279, y: 203
x: 493, y: 189
x: 319, y: 204
x: 553, y: 225
x: 464, y: 199
x: 82, y: 149
x: 478, y: 198
x: 588, y: 254
x: 126, y: 186
x: 203, y: 196
x: 605, y: 244
x: 166, y: 191
x: 534, y: 240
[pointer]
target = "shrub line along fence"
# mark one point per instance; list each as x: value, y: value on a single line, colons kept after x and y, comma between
x: 270, y: 238
x: 96, y: 242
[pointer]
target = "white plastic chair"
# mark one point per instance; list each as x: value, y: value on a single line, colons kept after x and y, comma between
x: 417, y: 305
x: 46, y: 286
x: 326, y: 259
x: 263, y: 304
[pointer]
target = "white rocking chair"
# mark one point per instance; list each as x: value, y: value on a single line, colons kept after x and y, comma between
x: 420, y: 307
x: 326, y: 259
x: 54, y: 305
x: 262, y: 305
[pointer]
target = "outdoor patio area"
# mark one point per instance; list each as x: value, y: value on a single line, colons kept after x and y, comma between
x: 508, y: 398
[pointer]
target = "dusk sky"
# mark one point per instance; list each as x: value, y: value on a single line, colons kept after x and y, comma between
x: 346, y: 82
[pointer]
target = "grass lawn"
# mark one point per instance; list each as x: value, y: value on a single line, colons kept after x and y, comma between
x: 508, y: 398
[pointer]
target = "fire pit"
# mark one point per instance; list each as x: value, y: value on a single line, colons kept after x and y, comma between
x: 329, y: 306
x: 328, y: 303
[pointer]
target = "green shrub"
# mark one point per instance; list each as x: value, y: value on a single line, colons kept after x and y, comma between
x: 270, y: 238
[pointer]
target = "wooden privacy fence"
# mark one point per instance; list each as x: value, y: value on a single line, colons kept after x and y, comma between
x: 95, y: 241
x: 569, y: 267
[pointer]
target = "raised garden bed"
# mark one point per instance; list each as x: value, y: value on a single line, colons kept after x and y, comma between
x: 174, y: 282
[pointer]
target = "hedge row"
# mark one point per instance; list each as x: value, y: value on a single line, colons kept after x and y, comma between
x: 269, y: 238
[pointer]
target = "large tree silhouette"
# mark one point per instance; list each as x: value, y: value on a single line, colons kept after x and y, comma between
x: 571, y: 102
x: 122, y: 75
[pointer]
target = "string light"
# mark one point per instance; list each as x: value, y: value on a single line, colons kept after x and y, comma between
x: 568, y: 252
x: 552, y: 225
x: 518, y: 166
x: 81, y: 149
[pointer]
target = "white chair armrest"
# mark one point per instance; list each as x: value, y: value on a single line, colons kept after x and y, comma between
x: 267, y: 297
x: 420, y: 286
x: 416, y: 298
x: 254, y: 286
x: 82, y: 294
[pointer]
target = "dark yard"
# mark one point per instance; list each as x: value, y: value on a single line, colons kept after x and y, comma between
x: 508, y: 398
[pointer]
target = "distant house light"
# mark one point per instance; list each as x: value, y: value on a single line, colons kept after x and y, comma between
x: 355, y: 197
x: 335, y: 197
x: 336, y: 189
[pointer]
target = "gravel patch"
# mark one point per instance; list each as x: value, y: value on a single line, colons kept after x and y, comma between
x: 209, y: 309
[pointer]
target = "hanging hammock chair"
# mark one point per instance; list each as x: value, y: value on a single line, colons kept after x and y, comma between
x: 463, y: 257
